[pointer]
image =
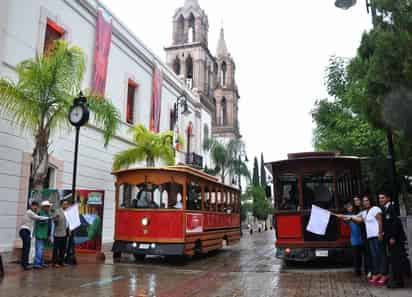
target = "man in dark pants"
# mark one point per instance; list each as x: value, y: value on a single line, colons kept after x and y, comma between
x: 60, y: 236
x: 70, y: 244
x: 394, y: 238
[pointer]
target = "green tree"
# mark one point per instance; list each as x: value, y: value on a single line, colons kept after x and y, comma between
x: 261, y: 205
x: 339, y: 129
x: 148, y: 146
x: 40, y: 100
x: 263, y: 181
x: 226, y: 158
x: 381, y: 72
x: 255, y: 178
x: 247, y: 207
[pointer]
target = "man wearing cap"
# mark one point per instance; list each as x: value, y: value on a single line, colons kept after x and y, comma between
x: 41, y: 233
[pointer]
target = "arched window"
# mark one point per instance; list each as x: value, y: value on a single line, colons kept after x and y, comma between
x: 176, y: 66
x: 209, y: 80
x: 215, y: 114
x: 215, y: 69
x: 205, y: 132
x: 223, y: 74
x: 223, y: 115
x: 189, y: 72
x: 191, y: 29
x: 181, y: 28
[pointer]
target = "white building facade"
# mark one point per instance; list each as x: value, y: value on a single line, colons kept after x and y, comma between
x: 23, y: 26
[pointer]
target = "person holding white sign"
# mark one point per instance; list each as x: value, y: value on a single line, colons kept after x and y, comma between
x: 73, y: 220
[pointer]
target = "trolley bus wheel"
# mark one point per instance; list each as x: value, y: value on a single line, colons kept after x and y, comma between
x: 138, y: 257
x: 198, y: 247
x: 117, y: 256
x: 177, y: 259
x: 289, y: 263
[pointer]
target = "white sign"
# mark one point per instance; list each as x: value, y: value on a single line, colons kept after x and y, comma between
x: 73, y: 217
x: 319, y: 220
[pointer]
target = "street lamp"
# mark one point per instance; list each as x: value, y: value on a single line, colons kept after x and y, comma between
x: 370, y: 6
x: 78, y: 116
x: 345, y: 4
x: 182, y: 102
x: 241, y: 154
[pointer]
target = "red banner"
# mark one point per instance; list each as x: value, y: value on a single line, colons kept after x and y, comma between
x: 101, y: 54
x: 156, y: 99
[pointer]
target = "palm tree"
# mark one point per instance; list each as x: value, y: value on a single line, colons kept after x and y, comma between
x: 40, y: 100
x: 225, y: 158
x: 148, y: 146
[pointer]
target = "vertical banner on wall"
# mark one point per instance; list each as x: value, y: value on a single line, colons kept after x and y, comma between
x: 102, y: 49
x: 156, y: 105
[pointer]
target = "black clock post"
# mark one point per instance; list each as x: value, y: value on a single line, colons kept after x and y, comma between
x: 78, y: 116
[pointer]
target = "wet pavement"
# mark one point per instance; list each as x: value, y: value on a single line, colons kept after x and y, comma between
x: 248, y: 269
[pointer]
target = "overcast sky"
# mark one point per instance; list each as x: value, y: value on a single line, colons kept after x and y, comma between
x: 281, y: 49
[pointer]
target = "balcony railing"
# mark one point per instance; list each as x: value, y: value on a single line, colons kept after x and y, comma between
x: 194, y: 160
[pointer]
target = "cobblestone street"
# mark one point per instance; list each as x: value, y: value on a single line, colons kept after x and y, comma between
x: 248, y: 269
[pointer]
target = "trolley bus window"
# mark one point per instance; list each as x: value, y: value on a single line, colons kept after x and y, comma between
x: 318, y: 190
x: 150, y: 196
x: 207, y: 198
x: 288, y: 192
x: 229, y: 202
x: 213, y: 200
x: 194, y: 196
x: 126, y: 192
x: 219, y: 200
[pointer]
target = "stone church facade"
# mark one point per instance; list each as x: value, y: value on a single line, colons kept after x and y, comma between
x: 211, y: 76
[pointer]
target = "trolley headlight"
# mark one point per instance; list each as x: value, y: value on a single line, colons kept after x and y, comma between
x: 287, y: 251
x: 145, y: 221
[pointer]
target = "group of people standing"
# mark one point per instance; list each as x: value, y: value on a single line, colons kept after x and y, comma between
x: 46, y: 226
x: 378, y: 240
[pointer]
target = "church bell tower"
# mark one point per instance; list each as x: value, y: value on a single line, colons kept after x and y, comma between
x: 211, y: 77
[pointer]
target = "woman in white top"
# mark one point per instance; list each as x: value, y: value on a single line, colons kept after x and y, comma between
x: 26, y: 229
x: 372, y: 217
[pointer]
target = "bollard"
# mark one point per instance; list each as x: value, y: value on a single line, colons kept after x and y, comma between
x: 1, y: 267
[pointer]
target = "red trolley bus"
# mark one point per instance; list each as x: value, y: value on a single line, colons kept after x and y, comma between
x: 173, y: 211
x: 327, y: 180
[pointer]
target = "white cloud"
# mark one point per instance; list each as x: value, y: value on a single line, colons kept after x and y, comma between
x: 281, y: 49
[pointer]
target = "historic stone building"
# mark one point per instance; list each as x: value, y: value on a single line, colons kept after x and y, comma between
x: 211, y: 76
x: 26, y: 31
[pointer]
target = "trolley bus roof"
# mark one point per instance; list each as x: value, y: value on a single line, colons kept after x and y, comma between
x: 299, y: 157
x: 176, y: 169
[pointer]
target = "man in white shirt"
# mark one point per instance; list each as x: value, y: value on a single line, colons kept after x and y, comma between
x: 26, y: 230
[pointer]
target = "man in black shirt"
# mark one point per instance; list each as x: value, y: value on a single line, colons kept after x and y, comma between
x: 394, y: 238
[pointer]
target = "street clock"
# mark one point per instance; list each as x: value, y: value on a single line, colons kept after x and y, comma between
x: 78, y: 116
x: 79, y: 112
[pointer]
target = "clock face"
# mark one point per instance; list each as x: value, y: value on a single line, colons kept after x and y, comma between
x: 76, y: 114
